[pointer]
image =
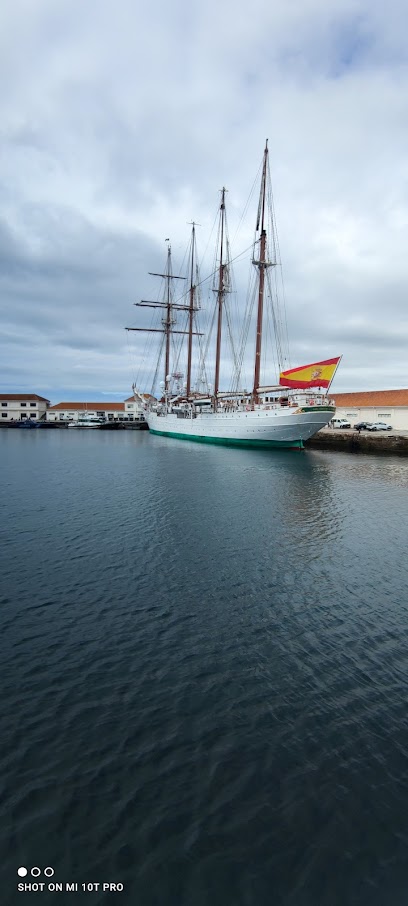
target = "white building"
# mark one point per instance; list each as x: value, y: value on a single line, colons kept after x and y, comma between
x: 374, y: 406
x: 134, y: 407
x: 16, y: 407
x: 129, y: 411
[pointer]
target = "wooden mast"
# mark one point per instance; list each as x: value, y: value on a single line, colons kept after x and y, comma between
x: 220, y: 295
x: 191, y: 310
x: 262, y: 264
x: 167, y: 320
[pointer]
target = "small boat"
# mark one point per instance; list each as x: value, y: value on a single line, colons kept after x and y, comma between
x: 111, y: 425
x: 28, y: 424
x: 89, y: 421
x: 139, y: 424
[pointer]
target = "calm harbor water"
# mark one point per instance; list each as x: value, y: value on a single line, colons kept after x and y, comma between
x: 204, y: 672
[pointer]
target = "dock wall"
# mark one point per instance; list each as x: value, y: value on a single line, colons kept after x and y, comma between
x: 366, y: 442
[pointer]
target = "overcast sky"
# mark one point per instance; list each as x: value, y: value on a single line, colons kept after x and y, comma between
x: 120, y: 121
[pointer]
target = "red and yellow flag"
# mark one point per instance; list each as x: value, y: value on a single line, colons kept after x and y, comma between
x: 319, y: 374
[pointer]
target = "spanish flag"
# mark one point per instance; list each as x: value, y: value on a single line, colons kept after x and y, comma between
x: 319, y: 374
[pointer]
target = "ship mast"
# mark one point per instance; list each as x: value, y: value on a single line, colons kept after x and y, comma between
x: 168, y: 320
x: 191, y: 310
x: 220, y: 294
x: 262, y: 264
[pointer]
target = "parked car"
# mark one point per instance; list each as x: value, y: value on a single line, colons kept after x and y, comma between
x: 379, y: 426
x: 340, y: 423
x: 362, y: 426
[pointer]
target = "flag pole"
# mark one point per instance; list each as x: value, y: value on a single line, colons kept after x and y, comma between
x: 334, y: 373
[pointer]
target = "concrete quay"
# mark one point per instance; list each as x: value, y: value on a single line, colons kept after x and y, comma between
x: 351, y: 441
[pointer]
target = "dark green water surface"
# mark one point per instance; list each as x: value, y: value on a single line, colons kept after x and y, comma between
x: 204, y: 672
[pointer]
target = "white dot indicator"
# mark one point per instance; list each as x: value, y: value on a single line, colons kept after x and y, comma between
x: 35, y: 871
x: 22, y: 872
x: 48, y: 872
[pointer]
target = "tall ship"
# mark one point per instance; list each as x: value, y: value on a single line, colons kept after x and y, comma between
x: 283, y: 414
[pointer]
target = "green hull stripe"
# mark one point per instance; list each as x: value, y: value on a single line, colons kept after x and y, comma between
x: 318, y: 409
x: 282, y: 444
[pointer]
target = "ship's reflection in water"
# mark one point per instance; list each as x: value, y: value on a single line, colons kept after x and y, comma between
x: 204, y: 655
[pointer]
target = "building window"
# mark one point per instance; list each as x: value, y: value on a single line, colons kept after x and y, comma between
x: 23, y: 404
x: 4, y: 414
x: 129, y: 406
x: 4, y: 404
x: 384, y: 415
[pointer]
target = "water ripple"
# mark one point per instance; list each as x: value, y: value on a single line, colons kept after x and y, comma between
x: 204, y: 658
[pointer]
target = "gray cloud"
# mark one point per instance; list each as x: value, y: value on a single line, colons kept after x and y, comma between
x: 120, y: 125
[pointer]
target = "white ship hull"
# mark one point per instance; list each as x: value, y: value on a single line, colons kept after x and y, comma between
x: 260, y: 427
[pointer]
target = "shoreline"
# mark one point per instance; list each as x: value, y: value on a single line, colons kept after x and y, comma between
x: 348, y: 441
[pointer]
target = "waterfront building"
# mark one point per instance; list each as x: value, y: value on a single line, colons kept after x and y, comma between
x: 68, y: 412
x: 133, y: 407
x: 16, y: 407
x: 129, y: 410
x: 374, y: 406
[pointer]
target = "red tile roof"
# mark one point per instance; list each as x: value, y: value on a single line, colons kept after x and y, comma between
x: 146, y: 396
x: 372, y: 398
x: 84, y: 407
x: 16, y: 397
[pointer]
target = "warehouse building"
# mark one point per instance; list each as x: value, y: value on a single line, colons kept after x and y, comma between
x: 128, y: 411
x: 389, y: 406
